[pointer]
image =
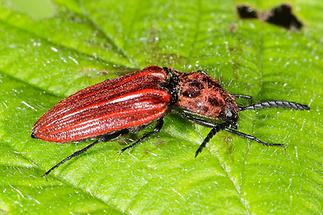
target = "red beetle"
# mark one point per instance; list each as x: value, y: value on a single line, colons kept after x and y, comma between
x: 131, y: 102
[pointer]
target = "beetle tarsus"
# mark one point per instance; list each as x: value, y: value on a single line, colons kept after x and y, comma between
x: 157, y: 128
x: 250, y: 137
x: 131, y: 102
x: 207, y: 139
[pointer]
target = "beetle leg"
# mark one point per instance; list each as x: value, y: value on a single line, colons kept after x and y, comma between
x: 209, y: 136
x: 242, y: 96
x: 81, y: 151
x: 157, y: 128
x: 250, y: 137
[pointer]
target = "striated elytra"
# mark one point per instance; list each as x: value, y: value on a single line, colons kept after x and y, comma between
x: 131, y: 102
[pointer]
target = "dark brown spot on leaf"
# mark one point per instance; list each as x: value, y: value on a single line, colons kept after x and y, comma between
x: 280, y: 15
x: 246, y: 12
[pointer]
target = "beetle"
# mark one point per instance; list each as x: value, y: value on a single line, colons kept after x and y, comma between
x: 131, y: 102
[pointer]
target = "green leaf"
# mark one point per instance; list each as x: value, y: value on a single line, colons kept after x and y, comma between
x: 47, y: 56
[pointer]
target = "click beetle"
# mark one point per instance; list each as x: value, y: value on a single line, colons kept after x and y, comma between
x: 126, y: 104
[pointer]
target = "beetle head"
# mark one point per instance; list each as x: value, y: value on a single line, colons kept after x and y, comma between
x: 229, y: 114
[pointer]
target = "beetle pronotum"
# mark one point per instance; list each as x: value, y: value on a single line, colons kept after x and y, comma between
x: 122, y: 105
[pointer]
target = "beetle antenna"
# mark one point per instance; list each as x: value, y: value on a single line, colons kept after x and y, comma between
x: 275, y: 104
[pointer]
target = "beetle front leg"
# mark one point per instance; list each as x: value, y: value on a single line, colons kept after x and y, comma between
x: 158, y: 127
x: 207, y: 139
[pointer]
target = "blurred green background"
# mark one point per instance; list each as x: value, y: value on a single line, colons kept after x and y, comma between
x: 50, y: 49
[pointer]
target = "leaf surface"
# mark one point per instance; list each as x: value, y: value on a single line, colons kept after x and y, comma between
x: 45, y: 57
